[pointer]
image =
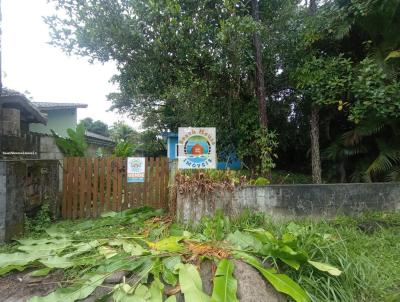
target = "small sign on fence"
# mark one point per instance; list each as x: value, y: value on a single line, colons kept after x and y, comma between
x: 136, y: 167
x: 197, y: 148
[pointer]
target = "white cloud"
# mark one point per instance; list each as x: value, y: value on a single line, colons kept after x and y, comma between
x: 31, y: 64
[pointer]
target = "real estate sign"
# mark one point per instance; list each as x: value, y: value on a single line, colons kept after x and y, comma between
x: 136, y: 167
x: 197, y: 148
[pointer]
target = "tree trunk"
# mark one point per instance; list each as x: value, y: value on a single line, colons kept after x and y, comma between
x: 314, y: 135
x: 342, y: 171
x: 314, y: 128
x: 260, y: 85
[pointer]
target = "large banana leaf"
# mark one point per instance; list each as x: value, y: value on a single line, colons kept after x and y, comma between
x: 245, y: 241
x: 225, y: 285
x: 15, y: 261
x: 280, y: 282
x: 190, y: 282
x: 74, y: 292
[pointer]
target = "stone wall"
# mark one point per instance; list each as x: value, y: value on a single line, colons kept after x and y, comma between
x: 24, y: 187
x: 325, y: 200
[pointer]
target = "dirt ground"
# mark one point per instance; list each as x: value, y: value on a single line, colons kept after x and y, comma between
x: 19, y: 287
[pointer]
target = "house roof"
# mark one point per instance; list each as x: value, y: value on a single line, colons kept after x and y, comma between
x: 98, y: 139
x: 14, y: 99
x: 46, y: 106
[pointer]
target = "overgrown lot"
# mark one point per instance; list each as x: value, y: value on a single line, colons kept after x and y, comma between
x: 155, y: 259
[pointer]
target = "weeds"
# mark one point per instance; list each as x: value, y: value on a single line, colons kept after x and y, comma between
x: 370, y: 261
x: 40, y: 222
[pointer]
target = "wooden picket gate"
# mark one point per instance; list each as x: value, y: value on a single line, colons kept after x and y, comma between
x: 92, y: 186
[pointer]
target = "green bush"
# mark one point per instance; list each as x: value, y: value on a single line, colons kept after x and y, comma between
x: 261, y: 181
x: 40, y: 222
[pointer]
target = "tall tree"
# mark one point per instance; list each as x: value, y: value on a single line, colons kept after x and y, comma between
x: 314, y: 128
x: 260, y: 85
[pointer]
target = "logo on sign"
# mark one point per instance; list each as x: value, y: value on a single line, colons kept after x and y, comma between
x: 136, y: 165
x: 197, y: 148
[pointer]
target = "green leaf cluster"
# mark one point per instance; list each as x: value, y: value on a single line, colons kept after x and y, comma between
x: 75, y: 144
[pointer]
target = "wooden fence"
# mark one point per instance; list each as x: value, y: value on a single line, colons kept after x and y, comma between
x: 92, y: 186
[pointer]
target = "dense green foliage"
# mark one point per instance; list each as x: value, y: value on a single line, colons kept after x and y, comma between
x: 364, y: 250
x: 123, y: 149
x: 191, y: 63
x: 98, y: 126
x: 130, y: 141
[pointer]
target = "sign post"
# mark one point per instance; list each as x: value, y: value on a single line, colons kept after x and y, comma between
x: 136, y: 167
x: 197, y: 148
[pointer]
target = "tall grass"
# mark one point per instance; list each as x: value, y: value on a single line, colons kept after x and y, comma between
x: 369, y: 258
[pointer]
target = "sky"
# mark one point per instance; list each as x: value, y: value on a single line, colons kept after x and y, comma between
x: 31, y: 65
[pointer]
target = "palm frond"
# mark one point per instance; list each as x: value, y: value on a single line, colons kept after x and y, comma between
x: 394, y: 175
x: 388, y: 157
x: 368, y: 128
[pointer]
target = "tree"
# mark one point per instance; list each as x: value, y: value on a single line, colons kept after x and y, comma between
x: 314, y: 128
x: 124, y: 149
x: 151, y: 144
x: 177, y: 67
x: 260, y: 86
x: 95, y: 126
x: 121, y: 131
x: 191, y: 63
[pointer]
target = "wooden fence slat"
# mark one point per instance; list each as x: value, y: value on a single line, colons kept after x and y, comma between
x: 95, y: 188
x: 125, y: 193
x: 114, y: 184
x: 71, y: 187
x: 67, y: 194
x: 150, y: 187
x: 159, y: 181
x: 102, y: 173
x: 164, y: 184
x: 82, y: 180
x: 75, y: 188
x: 65, y: 189
x: 120, y: 173
x: 144, y: 184
x: 108, y: 189
x: 89, y: 180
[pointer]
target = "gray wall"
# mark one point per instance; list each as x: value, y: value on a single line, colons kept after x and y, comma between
x: 26, y: 146
x: 3, y: 198
x: 293, y: 200
x: 24, y: 186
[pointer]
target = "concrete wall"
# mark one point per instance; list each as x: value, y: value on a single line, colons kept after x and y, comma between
x: 49, y: 149
x: 293, y: 200
x: 10, y: 122
x: 3, y: 199
x: 26, y: 146
x: 24, y: 186
x: 58, y: 120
